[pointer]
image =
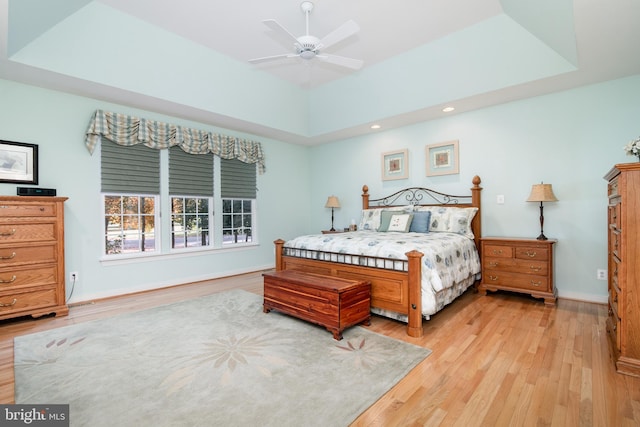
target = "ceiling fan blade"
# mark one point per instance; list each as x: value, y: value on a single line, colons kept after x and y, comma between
x: 275, y: 26
x: 272, y: 58
x: 347, y: 29
x: 355, y: 64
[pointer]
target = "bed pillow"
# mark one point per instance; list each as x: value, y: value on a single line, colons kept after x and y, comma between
x: 400, y: 222
x: 420, y: 222
x: 450, y: 219
x: 370, y: 219
x: 386, y: 214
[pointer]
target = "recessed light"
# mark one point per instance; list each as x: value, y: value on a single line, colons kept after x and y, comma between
x: 448, y: 109
x: 375, y: 126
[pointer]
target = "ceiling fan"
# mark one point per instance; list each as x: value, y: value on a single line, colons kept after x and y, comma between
x: 309, y: 47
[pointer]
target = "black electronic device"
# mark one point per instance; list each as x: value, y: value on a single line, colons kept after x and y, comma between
x: 30, y: 191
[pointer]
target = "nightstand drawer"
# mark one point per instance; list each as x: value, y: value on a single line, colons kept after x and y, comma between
x: 517, y: 281
x: 517, y: 266
x: 533, y: 253
x: 498, y: 251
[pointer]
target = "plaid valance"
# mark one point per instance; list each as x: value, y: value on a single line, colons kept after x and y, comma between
x: 128, y: 130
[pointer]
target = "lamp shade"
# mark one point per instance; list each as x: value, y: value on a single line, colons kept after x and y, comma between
x: 332, y: 202
x: 542, y: 193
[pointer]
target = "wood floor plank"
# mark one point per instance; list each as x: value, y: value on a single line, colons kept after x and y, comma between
x: 497, y: 360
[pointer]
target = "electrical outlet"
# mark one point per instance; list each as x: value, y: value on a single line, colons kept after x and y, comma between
x: 73, y: 276
x: 500, y: 199
x: 601, y: 274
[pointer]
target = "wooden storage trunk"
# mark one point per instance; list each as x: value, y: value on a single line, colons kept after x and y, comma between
x: 332, y: 302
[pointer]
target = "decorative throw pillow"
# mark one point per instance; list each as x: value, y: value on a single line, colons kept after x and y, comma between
x: 451, y: 219
x: 370, y: 219
x: 386, y: 214
x: 400, y: 222
x: 420, y: 222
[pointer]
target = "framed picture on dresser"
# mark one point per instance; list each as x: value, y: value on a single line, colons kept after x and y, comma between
x: 18, y: 162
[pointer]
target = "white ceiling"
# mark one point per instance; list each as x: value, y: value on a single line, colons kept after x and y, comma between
x: 235, y: 28
x: 599, y: 37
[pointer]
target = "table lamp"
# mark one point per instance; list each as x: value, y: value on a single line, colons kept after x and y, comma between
x: 542, y: 193
x: 332, y: 202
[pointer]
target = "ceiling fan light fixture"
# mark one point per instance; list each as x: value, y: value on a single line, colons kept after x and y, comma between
x: 307, y: 54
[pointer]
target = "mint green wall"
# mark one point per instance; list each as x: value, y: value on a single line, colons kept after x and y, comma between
x: 146, y: 59
x: 57, y: 122
x: 436, y: 73
x: 569, y: 139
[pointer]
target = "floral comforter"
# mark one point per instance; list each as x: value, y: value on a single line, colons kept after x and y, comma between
x: 449, y: 259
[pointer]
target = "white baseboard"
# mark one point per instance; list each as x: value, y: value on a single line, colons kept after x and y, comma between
x: 577, y: 296
x: 86, y: 299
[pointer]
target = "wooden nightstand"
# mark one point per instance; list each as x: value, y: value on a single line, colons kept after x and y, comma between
x: 518, y: 265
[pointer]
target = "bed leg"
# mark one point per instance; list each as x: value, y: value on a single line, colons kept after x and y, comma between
x: 279, y: 264
x: 414, y: 326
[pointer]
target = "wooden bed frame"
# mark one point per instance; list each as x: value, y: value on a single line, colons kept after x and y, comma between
x: 394, y: 290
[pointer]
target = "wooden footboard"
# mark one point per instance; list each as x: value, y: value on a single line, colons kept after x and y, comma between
x: 394, y: 290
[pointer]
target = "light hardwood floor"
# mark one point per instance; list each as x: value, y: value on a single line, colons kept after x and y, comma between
x: 498, y: 360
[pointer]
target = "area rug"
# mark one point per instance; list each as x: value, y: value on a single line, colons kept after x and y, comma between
x: 211, y: 361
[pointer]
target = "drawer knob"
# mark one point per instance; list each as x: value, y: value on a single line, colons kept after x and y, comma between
x: 8, y: 257
x: 11, y: 304
x: 8, y: 233
x: 536, y: 283
x: 535, y: 268
x: 493, y: 278
x: 13, y: 279
x: 497, y: 251
x: 493, y: 264
x: 531, y: 254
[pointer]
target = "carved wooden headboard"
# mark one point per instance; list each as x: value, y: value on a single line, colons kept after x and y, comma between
x: 420, y: 196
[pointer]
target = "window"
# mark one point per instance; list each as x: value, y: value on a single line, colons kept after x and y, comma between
x: 237, y: 221
x: 189, y: 222
x: 133, y: 188
x: 130, y: 186
x: 191, y: 190
x: 129, y: 224
x: 238, y: 188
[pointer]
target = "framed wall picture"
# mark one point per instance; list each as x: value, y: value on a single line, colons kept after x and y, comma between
x: 442, y: 159
x: 18, y: 162
x: 394, y: 165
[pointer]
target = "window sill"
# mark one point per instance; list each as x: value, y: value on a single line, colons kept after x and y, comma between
x: 176, y: 253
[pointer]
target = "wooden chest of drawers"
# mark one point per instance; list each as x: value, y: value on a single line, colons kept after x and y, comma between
x: 518, y: 265
x: 623, y: 228
x: 332, y: 302
x: 32, y: 256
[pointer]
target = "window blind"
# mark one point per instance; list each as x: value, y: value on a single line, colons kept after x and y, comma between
x: 129, y: 169
x: 237, y: 179
x: 190, y: 174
